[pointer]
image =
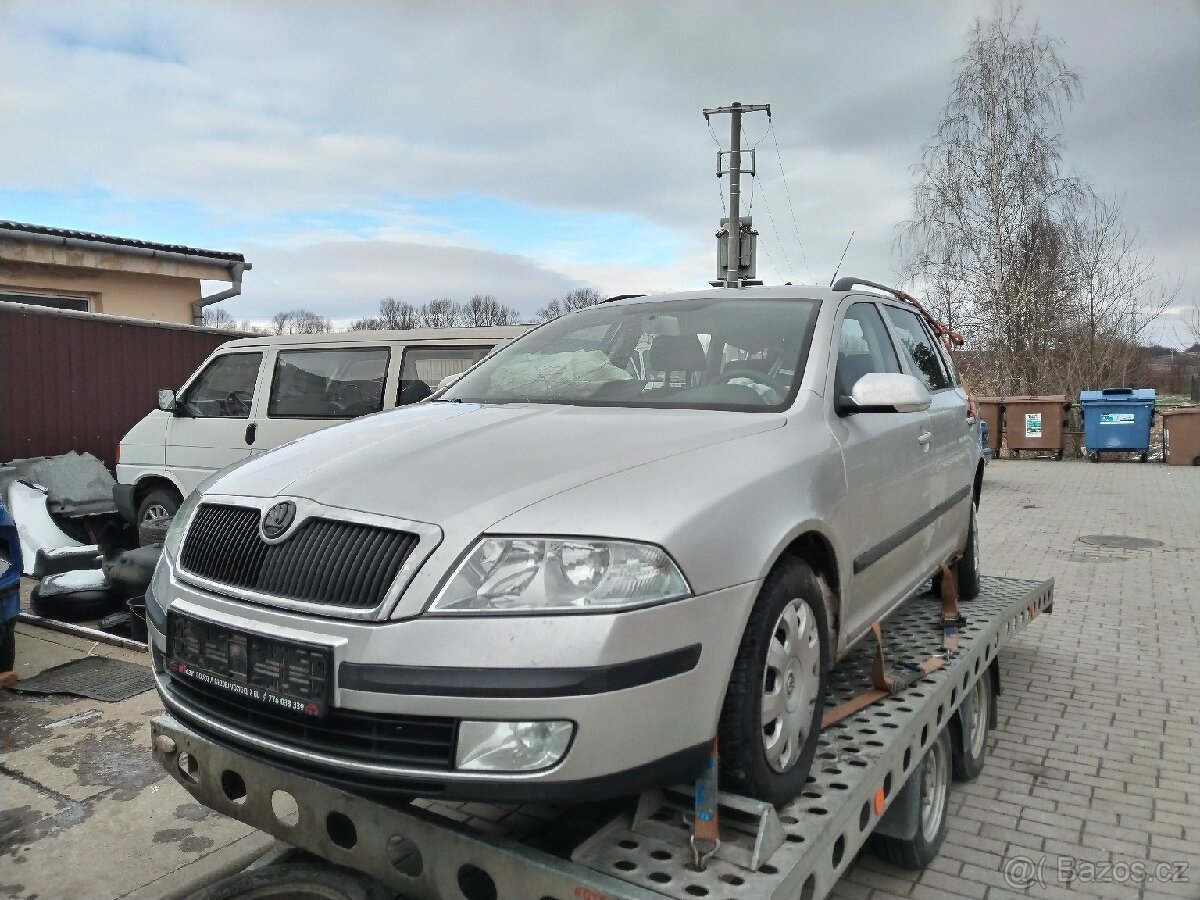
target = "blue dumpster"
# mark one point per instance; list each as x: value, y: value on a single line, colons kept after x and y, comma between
x: 1117, y: 420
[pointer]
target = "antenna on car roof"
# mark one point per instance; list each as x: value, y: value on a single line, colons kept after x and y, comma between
x: 842, y: 260
x: 621, y: 297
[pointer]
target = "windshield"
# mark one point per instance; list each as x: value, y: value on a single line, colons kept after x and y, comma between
x: 717, y: 353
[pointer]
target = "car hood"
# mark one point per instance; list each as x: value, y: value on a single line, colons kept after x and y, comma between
x: 441, y: 461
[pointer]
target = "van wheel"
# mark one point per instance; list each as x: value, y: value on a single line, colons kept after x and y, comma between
x: 160, y: 503
x: 771, y: 718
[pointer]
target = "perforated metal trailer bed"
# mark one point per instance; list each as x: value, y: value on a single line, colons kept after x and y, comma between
x: 883, y: 770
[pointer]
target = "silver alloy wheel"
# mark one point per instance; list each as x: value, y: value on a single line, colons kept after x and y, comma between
x: 791, y: 682
x: 980, y: 697
x: 935, y: 779
x: 155, y: 511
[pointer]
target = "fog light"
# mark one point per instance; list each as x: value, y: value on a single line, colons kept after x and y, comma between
x: 512, y: 746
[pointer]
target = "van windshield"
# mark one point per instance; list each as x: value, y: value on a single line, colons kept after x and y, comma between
x: 709, y: 353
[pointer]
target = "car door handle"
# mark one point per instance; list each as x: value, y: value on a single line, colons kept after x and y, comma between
x: 250, y: 430
x: 924, y: 437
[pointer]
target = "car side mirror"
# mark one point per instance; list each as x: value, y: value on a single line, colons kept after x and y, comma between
x: 885, y: 392
x: 166, y: 400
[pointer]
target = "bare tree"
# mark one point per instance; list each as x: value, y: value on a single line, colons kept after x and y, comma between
x: 250, y: 328
x: 484, y: 309
x: 1021, y: 256
x: 440, y: 313
x: 220, y: 318
x: 393, y: 315
x: 300, y: 321
x: 580, y: 298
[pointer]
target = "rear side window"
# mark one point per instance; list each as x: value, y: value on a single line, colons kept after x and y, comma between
x: 863, y: 347
x: 225, y: 389
x: 918, y: 346
x: 328, y: 384
x: 424, y: 367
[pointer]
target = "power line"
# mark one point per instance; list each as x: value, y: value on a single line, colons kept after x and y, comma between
x: 770, y: 218
x: 791, y: 206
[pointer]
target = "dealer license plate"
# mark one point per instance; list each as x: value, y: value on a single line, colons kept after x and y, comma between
x: 286, y: 675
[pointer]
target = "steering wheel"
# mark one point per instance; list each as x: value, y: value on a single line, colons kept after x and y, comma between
x: 238, y: 403
x: 753, y: 375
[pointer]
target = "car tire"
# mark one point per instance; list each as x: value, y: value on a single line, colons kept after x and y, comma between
x: 968, y: 566
x: 162, y: 502
x: 782, y: 664
x: 154, y: 530
x: 295, y: 881
x: 973, y: 722
x: 74, y: 606
x: 922, y: 848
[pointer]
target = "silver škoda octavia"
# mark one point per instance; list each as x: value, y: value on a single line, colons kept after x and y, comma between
x: 639, y: 526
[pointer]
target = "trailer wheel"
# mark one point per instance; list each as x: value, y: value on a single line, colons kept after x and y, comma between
x: 974, y: 725
x: 295, y: 881
x: 920, y: 850
x: 771, y: 718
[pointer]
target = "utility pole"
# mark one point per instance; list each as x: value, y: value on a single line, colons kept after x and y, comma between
x: 738, y: 235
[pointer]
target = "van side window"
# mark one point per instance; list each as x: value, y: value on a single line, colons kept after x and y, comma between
x: 225, y: 389
x: 919, y: 347
x: 328, y: 384
x: 424, y: 367
x: 863, y: 347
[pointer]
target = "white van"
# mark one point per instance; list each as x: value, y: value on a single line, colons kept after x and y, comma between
x: 254, y: 394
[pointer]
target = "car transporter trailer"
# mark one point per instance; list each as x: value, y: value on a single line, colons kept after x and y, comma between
x: 883, y: 769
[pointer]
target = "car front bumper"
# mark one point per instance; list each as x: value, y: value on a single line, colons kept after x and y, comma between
x: 644, y: 689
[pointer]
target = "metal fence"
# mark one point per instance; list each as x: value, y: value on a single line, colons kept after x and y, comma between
x: 79, y: 381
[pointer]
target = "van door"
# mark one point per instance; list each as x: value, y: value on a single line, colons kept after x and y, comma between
x: 211, y: 426
x: 313, y: 388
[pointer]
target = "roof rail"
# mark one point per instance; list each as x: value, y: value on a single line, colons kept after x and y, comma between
x: 621, y: 297
x: 848, y: 282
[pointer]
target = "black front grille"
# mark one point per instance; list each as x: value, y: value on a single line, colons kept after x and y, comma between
x: 324, y: 561
x: 424, y: 742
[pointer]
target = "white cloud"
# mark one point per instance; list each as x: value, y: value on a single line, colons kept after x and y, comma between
x: 293, y: 114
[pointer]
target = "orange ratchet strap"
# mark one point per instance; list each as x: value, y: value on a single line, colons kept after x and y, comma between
x: 884, y: 682
x: 706, y: 839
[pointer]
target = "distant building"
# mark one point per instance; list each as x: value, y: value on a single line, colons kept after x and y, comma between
x: 116, y: 276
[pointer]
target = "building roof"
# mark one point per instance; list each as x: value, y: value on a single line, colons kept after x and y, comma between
x: 48, y: 231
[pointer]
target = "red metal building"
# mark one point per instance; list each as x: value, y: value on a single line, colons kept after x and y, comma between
x: 79, y: 381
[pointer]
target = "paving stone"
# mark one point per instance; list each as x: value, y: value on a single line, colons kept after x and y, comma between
x: 1097, y: 754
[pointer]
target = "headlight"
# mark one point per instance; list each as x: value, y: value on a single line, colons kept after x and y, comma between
x: 529, y: 574
x: 159, y: 593
x: 175, y: 533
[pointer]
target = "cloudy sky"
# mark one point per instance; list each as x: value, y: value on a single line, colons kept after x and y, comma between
x: 358, y: 150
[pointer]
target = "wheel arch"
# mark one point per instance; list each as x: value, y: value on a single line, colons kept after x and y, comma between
x: 814, y: 548
x: 150, y: 482
x: 977, y: 484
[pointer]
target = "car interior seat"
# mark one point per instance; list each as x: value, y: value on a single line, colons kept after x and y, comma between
x: 676, y: 354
